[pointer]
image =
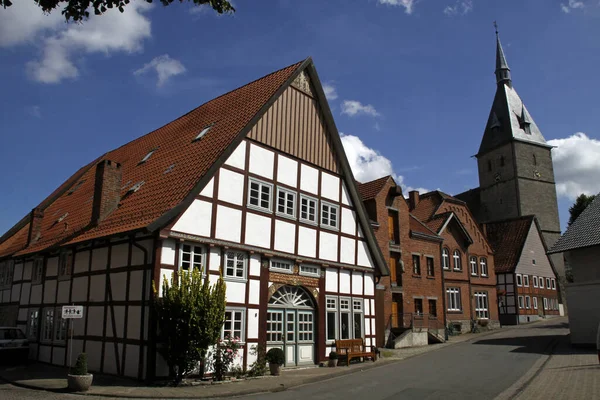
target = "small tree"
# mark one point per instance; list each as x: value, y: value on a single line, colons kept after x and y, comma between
x: 580, y: 204
x: 190, y: 315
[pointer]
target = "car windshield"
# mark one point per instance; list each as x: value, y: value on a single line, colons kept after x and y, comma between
x: 11, y: 334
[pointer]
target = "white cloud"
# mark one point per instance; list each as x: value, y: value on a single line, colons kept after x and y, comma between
x: 461, y: 7
x: 368, y: 164
x: 576, y: 162
x: 571, y: 5
x: 330, y: 91
x: 407, y: 4
x: 35, y: 111
x: 353, y: 107
x: 61, y: 42
x: 165, y: 68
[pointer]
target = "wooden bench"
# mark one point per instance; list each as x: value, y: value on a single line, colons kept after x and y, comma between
x: 353, y: 348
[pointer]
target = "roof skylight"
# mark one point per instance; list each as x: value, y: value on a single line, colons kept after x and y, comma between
x: 74, y: 188
x: 203, y: 132
x: 169, y: 169
x: 147, y: 156
x: 135, y: 187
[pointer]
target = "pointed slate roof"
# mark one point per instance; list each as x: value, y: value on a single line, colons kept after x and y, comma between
x: 583, y: 232
x: 508, y: 237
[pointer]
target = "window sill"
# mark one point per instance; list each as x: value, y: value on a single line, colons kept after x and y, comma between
x: 257, y: 208
x: 309, y: 275
x: 455, y: 312
x: 430, y: 277
x: 330, y: 228
x: 484, y: 276
x: 281, y: 271
x: 286, y: 216
x: 416, y: 276
x: 235, y: 279
x: 308, y: 221
x: 457, y: 270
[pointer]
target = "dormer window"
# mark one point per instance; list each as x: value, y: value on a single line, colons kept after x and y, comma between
x: 147, y: 156
x: 203, y: 132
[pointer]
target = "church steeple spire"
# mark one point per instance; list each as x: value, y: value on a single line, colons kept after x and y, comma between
x: 502, y: 70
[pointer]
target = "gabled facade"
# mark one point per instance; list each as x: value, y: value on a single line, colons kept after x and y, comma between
x: 411, y: 296
x: 467, y: 259
x: 253, y: 185
x: 527, y: 285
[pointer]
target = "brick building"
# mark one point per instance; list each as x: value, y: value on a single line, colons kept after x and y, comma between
x: 467, y: 259
x: 410, y: 300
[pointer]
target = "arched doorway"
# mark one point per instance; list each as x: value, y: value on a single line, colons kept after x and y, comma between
x: 291, y: 325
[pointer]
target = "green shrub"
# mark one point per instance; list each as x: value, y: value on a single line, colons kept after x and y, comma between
x: 258, y: 367
x: 333, y: 355
x: 275, y: 356
x: 81, y: 367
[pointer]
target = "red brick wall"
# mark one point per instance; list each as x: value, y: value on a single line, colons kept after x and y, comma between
x: 537, y: 292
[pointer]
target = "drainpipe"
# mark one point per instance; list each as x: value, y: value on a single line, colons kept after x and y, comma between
x: 444, y: 309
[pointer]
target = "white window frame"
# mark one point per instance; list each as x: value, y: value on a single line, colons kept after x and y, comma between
x: 535, y: 303
x: 244, y: 268
x: 37, y: 270
x: 445, y: 258
x: 203, y: 254
x: 58, y: 326
x: 331, y: 306
x: 521, y: 302
x: 348, y: 311
x: 453, y: 296
x: 519, y: 280
x: 482, y: 305
x: 286, y: 193
x: 527, y: 302
x: 65, y: 264
x: 526, y: 280
x: 473, y: 264
x: 33, y: 324
x: 331, y: 206
x: 553, y: 284
x: 548, y: 283
x: 416, y: 264
x: 7, y: 270
x: 541, y: 282
x: 261, y: 185
x: 234, y: 312
x: 203, y: 132
x: 456, y: 256
x: 282, y: 266
x: 309, y: 200
x: 304, y: 270
x: 429, y: 259
x: 358, y: 310
x: 483, y: 267
x: 545, y: 303
x: 535, y: 281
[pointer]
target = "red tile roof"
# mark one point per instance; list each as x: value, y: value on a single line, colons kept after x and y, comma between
x: 436, y: 223
x: 230, y: 114
x: 426, y: 207
x: 369, y: 190
x: 419, y: 227
x: 508, y: 237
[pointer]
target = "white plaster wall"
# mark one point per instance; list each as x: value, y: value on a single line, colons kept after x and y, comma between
x: 369, y: 285
x: 25, y: 293
x: 132, y: 360
x: 110, y: 364
x: 119, y: 321
x: 348, y: 250
x: 285, y: 236
x: 348, y: 221
x: 6, y: 296
x: 252, y: 317
x: 231, y: 187
x: 251, y: 357
x: 36, y: 294
x: 50, y: 292
x: 97, y: 287
x: 196, y: 220
x: 229, y: 224
x: 58, y: 356
x: 27, y: 270
x: 79, y: 325
x: 367, y: 306
x: 14, y: 294
x: 331, y: 280
x: 236, y: 292
x: 18, y: 272
x: 135, y: 289
x: 164, y: 274
x: 52, y: 266
x: 345, y: 195
x: 261, y: 161
x: 209, y: 188
x: 99, y: 258
x: 307, y: 242
x: 287, y: 171
x: 372, y: 306
x: 95, y: 318
x: 215, y: 259
x: 119, y: 285
x: 258, y: 230
x: 214, y: 279
x: 309, y: 179
x: 367, y: 326
x: 238, y: 157
x: 81, y: 262
x: 45, y: 353
x: 330, y: 186
x: 360, y: 233
x: 168, y: 252
x: 133, y: 322
x: 345, y: 282
x: 328, y: 246
x: 364, y: 258
x: 254, y: 266
x: 93, y: 350
x: 373, y: 332
x: 357, y: 283
x: 63, y: 291
x: 254, y: 291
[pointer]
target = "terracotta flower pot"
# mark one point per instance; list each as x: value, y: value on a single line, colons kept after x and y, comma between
x: 275, y: 369
x: 80, y: 383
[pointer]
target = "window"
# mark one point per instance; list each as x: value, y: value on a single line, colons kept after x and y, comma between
x: 259, y: 195
x: 533, y: 262
x: 453, y: 295
x: 519, y: 280
x: 54, y: 328
x: 535, y: 281
x: 192, y: 256
x: 147, y: 156
x: 526, y: 280
x: 65, y: 264
x: 202, y: 132
x: 286, y: 203
x: 235, y: 265
x: 484, y: 267
x: 357, y: 309
x: 233, y: 327
x: 481, y: 305
x: 275, y: 326
x: 416, y: 264
x: 432, y: 308
x: 38, y: 271
x: 345, y: 319
x: 308, y: 209
x: 541, y: 282
x: 281, y: 266
x: 418, y: 306
x: 535, y: 303
x: 32, y: 324
x: 473, y: 263
x: 527, y: 302
x: 446, y: 258
x: 310, y: 270
x: 332, y: 318
x: 553, y: 284
x: 60, y: 333
x: 345, y: 322
x: 545, y: 303
x: 48, y: 325
x: 305, y: 326
x: 430, y: 267
x: 456, y: 257
x: 521, y: 303
x: 329, y: 215
x: 548, y: 283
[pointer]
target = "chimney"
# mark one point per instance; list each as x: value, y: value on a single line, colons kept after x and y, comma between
x: 35, y: 225
x: 413, y: 199
x: 107, y: 190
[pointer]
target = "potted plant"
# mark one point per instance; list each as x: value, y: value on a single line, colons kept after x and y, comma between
x: 79, y: 379
x: 276, y: 359
x: 333, y: 359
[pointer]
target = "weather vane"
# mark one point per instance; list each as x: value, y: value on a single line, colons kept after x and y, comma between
x: 496, y: 26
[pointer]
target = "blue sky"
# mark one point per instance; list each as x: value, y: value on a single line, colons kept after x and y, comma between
x: 410, y: 82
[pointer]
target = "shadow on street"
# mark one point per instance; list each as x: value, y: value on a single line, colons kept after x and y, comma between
x: 524, y: 344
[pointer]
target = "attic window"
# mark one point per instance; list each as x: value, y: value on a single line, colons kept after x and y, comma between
x: 125, y: 185
x: 62, y: 217
x: 74, y: 188
x: 203, y: 132
x: 147, y: 156
x: 135, y: 187
x: 169, y: 169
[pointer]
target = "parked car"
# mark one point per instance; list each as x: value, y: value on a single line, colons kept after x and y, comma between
x: 14, y: 346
